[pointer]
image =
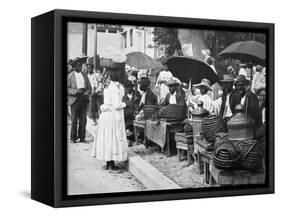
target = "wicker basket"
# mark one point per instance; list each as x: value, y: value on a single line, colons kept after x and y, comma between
x: 251, y: 154
x: 149, y: 111
x: 211, y: 126
x: 173, y: 112
x: 226, y: 156
x: 108, y: 63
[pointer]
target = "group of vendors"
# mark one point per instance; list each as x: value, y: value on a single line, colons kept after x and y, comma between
x: 116, y: 101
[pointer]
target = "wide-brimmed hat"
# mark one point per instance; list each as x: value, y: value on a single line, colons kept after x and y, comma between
x: 173, y: 82
x: 76, y: 60
x: 204, y: 82
x: 241, y: 78
x: 227, y: 78
x: 90, y: 61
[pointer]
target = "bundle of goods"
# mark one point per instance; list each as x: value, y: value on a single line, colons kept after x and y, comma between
x: 172, y: 112
x: 149, y: 111
x: 187, y: 128
x: 211, y: 126
x: 184, y: 138
x: 240, y: 126
x: 197, y: 116
x: 251, y: 154
x: 226, y: 156
x: 109, y: 63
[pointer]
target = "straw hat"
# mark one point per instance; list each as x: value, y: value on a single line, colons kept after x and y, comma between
x: 204, y: 82
x: 173, y: 82
x: 227, y: 78
x: 241, y: 78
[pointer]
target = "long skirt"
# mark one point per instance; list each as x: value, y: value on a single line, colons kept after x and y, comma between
x: 110, y: 142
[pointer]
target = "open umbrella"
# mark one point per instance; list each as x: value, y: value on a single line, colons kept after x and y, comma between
x: 246, y: 51
x: 190, y: 69
x: 140, y: 60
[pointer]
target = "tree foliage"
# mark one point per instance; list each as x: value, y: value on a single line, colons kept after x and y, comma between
x: 167, y: 37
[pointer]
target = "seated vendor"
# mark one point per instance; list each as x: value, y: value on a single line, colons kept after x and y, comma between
x: 132, y: 99
x: 176, y: 94
x: 204, y: 87
x: 244, y: 96
x: 148, y: 97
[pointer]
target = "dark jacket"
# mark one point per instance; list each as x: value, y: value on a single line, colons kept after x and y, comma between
x: 131, y: 104
x: 150, y: 99
x: 251, y: 107
x: 180, y: 98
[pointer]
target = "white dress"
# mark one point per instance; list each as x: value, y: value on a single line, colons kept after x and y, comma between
x: 110, y: 142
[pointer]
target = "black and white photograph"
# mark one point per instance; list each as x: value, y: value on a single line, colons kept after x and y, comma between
x: 161, y: 108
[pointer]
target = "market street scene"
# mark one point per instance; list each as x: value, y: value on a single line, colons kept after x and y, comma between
x: 155, y: 108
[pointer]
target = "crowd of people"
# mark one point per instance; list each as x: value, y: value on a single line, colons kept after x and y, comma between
x: 112, y: 105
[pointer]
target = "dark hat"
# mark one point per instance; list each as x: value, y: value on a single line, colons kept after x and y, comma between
x: 144, y: 81
x: 241, y: 78
x: 227, y: 78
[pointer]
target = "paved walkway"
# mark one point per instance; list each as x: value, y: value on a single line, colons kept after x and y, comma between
x: 86, y: 175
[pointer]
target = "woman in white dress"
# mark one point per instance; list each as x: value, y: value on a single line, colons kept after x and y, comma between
x: 110, y: 142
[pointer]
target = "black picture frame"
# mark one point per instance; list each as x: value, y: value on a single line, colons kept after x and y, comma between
x: 48, y: 109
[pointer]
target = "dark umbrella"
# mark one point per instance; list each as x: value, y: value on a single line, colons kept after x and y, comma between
x: 140, y: 60
x: 246, y: 51
x: 186, y: 68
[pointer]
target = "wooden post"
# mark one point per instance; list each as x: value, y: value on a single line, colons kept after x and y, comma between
x: 95, y: 46
x: 85, y: 39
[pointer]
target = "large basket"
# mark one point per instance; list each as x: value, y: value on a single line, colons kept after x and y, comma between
x: 108, y: 63
x: 211, y: 126
x: 251, y: 154
x: 149, y: 111
x: 226, y: 156
x: 172, y: 112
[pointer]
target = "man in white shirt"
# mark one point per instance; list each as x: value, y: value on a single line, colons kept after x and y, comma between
x: 163, y: 77
x: 242, y: 95
x: 221, y: 105
x: 79, y: 89
x: 176, y: 94
x: 204, y: 87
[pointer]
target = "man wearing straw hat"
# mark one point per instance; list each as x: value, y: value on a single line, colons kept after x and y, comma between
x: 176, y: 95
x: 204, y: 87
x: 222, y: 104
x: 246, y: 98
x: 79, y: 89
